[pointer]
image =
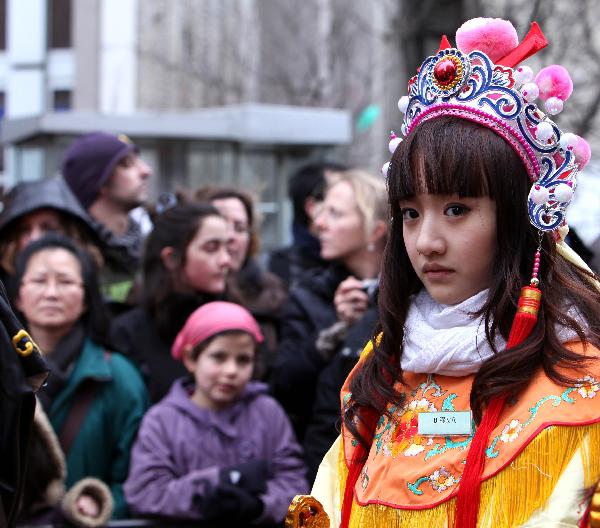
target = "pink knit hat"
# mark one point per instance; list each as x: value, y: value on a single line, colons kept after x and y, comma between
x: 213, y: 318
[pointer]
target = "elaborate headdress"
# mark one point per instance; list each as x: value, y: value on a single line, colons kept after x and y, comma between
x: 480, y: 81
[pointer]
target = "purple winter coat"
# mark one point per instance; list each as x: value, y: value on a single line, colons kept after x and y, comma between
x: 181, y: 447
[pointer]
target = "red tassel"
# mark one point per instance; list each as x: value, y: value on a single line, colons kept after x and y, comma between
x: 353, y: 473
x: 526, y: 316
x: 354, y: 470
x: 468, y: 499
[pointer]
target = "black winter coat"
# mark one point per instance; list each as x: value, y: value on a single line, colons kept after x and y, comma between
x: 291, y: 262
x: 309, y: 310
x: 147, y: 342
x: 324, y: 427
x: 20, y: 376
x: 263, y: 294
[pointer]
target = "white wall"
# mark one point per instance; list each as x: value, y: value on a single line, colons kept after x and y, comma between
x: 118, y: 56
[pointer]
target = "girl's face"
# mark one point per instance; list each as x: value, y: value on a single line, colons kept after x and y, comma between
x: 339, y: 224
x: 239, y: 229
x: 451, y: 243
x: 207, y: 261
x: 51, y: 294
x: 222, y: 370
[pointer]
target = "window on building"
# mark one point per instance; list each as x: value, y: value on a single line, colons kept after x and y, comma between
x: 2, y: 25
x: 61, y: 100
x: 2, y: 107
x: 59, y: 23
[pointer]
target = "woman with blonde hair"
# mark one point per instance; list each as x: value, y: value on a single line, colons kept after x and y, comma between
x: 352, y: 227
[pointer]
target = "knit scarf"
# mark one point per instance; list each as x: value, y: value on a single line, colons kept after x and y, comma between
x: 61, y: 362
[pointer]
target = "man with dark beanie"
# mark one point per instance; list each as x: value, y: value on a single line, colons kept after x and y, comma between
x: 108, y: 177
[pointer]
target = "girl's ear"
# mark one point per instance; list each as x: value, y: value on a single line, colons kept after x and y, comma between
x: 186, y: 357
x: 168, y: 256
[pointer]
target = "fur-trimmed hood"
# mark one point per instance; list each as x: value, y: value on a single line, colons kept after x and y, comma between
x: 46, y: 468
x: 44, y: 489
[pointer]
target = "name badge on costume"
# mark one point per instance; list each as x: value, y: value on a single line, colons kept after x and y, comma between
x: 450, y: 423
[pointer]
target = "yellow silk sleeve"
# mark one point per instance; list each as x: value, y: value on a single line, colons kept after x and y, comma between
x: 326, y: 488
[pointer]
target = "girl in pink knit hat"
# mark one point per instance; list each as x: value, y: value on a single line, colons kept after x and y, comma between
x: 217, y: 447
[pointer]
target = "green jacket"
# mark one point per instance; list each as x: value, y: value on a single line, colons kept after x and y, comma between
x: 102, y: 446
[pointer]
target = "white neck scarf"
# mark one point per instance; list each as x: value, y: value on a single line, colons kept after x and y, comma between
x: 446, y: 339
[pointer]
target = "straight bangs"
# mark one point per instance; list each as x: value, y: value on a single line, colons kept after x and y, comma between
x: 449, y: 155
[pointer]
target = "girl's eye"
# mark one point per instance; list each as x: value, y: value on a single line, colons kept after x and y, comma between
x: 456, y: 210
x: 240, y: 228
x: 245, y: 360
x: 211, y: 247
x: 409, y: 214
x: 218, y: 357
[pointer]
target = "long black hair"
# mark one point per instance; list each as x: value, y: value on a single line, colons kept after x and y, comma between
x: 449, y: 155
x: 175, y: 228
x: 95, y: 318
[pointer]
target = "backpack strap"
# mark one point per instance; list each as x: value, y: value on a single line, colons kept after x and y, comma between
x: 84, y: 396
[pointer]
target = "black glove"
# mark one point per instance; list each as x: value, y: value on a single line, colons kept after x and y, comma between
x: 228, y: 503
x: 251, y: 476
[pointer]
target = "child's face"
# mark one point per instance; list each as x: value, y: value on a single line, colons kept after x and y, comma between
x: 451, y: 243
x: 222, y: 370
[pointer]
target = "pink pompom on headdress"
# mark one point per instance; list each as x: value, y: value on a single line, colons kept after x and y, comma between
x: 494, y: 36
x: 554, y: 81
x: 582, y: 152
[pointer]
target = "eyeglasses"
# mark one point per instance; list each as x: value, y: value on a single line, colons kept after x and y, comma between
x: 61, y: 285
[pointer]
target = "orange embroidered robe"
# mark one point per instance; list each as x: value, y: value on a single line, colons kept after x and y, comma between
x: 542, y: 461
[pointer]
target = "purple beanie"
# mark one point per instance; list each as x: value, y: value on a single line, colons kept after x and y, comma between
x: 89, y: 162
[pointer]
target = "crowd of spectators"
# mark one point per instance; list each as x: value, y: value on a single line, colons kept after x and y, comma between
x: 192, y: 376
x: 184, y: 361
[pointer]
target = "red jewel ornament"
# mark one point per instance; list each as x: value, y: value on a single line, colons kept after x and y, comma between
x: 445, y: 71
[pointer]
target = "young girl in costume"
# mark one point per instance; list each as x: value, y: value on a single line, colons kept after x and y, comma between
x: 216, y: 447
x: 478, y: 403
